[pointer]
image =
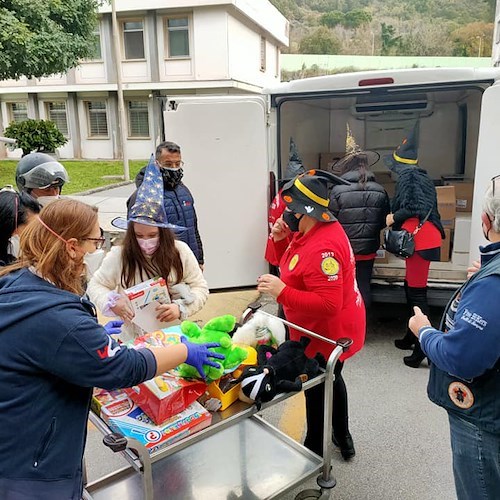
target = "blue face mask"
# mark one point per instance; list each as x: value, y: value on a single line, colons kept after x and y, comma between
x: 291, y: 221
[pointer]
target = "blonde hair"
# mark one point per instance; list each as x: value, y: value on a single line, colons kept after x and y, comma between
x: 46, y: 252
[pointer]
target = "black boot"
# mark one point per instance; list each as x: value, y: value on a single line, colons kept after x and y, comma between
x: 417, y: 297
x: 414, y: 360
x: 346, y: 446
x: 408, y: 341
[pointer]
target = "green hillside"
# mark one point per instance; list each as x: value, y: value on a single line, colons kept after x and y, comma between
x: 390, y: 27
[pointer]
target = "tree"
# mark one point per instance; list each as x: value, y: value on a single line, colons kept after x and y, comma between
x: 356, y: 18
x: 320, y: 41
x: 42, y: 37
x: 332, y: 19
x: 473, y: 39
x: 36, y: 135
x: 389, y: 38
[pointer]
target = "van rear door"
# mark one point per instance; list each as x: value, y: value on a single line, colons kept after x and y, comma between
x: 224, y: 147
x: 487, y: 164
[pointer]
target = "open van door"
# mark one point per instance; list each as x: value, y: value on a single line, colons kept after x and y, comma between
x: 487, y: 165
x: 224, y: 147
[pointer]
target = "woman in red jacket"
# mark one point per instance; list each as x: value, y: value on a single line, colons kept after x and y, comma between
x: 318, y: 291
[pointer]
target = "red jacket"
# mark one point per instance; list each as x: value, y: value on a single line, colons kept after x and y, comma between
x: 321, y: 293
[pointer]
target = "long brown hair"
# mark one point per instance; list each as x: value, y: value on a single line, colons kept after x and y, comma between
x: 162, y: 262
x: 46, y: 252
x: 354, y: 162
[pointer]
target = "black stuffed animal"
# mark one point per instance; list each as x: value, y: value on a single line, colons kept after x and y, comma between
x: 279, y: 370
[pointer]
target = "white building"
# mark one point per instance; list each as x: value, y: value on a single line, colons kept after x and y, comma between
x: 167, y: 48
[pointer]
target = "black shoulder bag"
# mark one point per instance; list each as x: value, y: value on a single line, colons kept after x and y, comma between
x: 400, y: 242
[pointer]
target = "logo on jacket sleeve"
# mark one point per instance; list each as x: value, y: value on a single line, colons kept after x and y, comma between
x: 108, y: 351
x: 460, y: 395
x: 330, y: 266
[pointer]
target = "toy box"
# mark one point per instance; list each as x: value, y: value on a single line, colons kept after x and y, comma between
x: 122, y: 415
x: 167, y: 394
x: 149, y: 291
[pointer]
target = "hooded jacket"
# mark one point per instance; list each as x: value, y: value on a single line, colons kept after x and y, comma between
x: 179, y: 205
x: 361, y: 210
x: 53, y: 353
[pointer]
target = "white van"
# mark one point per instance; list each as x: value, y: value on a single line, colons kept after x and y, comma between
x: 236, y: 146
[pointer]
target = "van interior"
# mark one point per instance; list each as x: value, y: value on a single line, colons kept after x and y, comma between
x: 379, y: 118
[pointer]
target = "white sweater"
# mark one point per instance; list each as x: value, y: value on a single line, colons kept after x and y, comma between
x: 108, y: 278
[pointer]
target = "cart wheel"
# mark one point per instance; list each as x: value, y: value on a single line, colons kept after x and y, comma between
x: 310, y: 495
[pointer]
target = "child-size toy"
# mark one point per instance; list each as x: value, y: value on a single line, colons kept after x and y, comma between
x: 260, y: 329
x: 216, y: 330
x: 281, y: 370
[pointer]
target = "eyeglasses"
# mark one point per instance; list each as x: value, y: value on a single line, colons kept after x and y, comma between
x: 169, y: 164
x: 98, y: 242
x: 495, y: 184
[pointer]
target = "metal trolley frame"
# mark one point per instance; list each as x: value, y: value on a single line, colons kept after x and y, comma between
x: 221, y: 461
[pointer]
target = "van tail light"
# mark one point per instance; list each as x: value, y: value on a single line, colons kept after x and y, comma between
x: 375, y: 81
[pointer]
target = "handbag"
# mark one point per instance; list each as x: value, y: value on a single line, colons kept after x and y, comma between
x: 400, y: 242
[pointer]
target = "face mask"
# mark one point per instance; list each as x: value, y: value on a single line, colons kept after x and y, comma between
x: 291, y: 221
x: 14, y: 246
x: 93, y: 261
x: 45, y: 200
x: 172, y: 176
x: 150, y: 245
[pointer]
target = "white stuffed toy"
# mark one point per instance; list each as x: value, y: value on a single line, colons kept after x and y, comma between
x: 261, y: 329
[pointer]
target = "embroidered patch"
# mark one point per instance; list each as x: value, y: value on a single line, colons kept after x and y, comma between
x: 460, y: 395
x: 293, y: 262
x: 330, y: 266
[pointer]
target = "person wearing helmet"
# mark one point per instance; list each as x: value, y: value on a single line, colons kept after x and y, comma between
x: 41, y: 176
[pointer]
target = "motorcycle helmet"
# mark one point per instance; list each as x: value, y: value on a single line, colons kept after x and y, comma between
x: 39, y: 171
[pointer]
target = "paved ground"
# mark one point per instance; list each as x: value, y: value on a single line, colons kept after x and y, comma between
x: 401, y: 439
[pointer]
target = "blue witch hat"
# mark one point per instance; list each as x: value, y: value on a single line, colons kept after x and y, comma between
x: 149, y: 206
x: 406, y: 154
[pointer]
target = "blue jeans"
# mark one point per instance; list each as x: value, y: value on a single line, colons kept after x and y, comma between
x: 476, y: 460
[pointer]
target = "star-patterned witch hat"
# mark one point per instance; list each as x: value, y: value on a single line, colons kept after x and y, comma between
x: 149, y: 206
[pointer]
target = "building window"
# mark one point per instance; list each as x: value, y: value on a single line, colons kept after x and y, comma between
x: 56, y: 112
x: 97, y: 119
x: 138, y: 119
x: 262, y: 53
x: 18, y: 111
x: 97, y: 53
x: 133, y: 39
x: 178, y: 37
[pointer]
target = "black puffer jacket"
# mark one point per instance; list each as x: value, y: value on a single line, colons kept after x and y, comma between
x: 415, y: 196
x: 361, y: 210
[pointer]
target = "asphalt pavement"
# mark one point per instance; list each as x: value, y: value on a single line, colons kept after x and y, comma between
x: 401, y: 438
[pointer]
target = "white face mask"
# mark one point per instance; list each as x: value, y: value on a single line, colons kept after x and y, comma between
x: 14, y: 246
x: 93, y: 261
x: 45, y: 200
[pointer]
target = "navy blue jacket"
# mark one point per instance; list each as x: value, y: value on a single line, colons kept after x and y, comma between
x: 179, y: 205
x: 52, y: 353
x: 469, y: 351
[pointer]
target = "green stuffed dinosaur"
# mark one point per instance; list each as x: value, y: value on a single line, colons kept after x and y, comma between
x: 216, y: 330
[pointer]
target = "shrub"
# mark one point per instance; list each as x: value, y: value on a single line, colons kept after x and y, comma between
x: 36, y: 135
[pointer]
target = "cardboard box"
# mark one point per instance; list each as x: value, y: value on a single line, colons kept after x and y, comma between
x: 327, y: 160
x: 133, y: 422
x: 464, y: 193
x: 461, y: 237
x: 310, y: 160
x: 446, y: 205
x: 445, y: 246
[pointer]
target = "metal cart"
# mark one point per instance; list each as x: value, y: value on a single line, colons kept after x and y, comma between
x: 240, y: 456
